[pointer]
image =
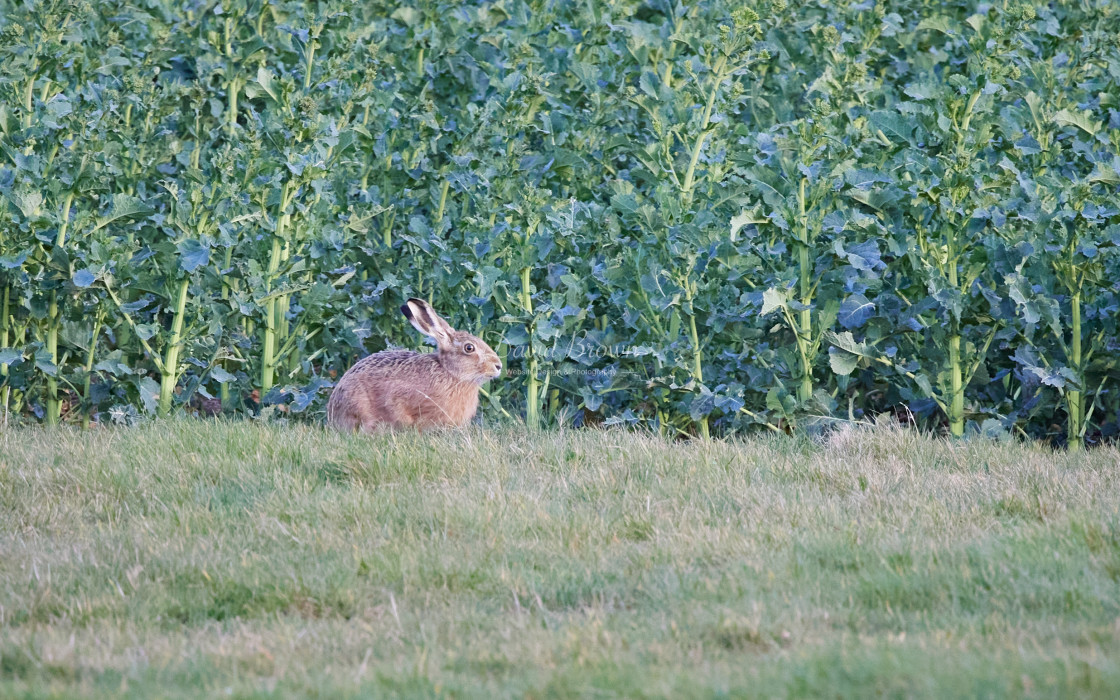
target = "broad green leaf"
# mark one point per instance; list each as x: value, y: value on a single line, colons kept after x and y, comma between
x: 28, y: 202
x: 83, y: 278
x: 841, y: 362
x: 45, y: 364
x: 192, y: 255
x: 9, y: 356
x: 221, y: 376
x: 1105, y: 174
x: 1081, y: 120
x: 113, y: 364
x: 264, y: 79
x: 486, y: 279
x: 516, y: 335
x: 855, y: 311
x: 892, y: 124
x: 846, y: 342
x: 124, y: 206
x: 746, y: 218
x: 938, y: 24
x: 10, y: 262
x: 1034, y: 102
x: 924, y: 385
x: 824, y: 82
x: 149, y: 393
x: 702, y: 404
x: 772, y: 300
x: 406, y: 15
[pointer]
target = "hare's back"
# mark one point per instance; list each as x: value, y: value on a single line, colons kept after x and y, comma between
x: 367, y: 393
x: 390, y: 362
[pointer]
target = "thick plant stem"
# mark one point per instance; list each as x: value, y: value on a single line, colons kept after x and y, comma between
x: 694, y: 158
x: 224, y: 394
x: 805, y: 322
x: 170, y: 372
x: 28, y: 96
x: 272, y: 305
x: 686, y: 195
x: 805, y: 330
x: 667, y: 76
x: 956, y: 400
x: 291, y: 329
x: 283, y: 305
x: 442, y: 202
x: 64, y: 225
x: 697, y: 370
x: 387, y: 232
x: 89, y: 373
x: 697, y: 357
x: 956, y: 384
x: 196, y: 152
x: 314, y: 43
x: 54, y: 406
x: 4, y: 332
x: 1075, y: 400
x: 268, y: 360
x: 553, y: 403
x: 967, y: 117
x: 233, y: 88
x: 532, y: 385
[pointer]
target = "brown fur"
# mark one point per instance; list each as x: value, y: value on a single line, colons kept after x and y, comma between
x: 400, y: 388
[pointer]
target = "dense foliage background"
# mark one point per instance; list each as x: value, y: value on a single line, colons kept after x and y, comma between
x: 701, y: 216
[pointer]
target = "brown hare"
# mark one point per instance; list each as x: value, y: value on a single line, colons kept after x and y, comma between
x: 401, y: 388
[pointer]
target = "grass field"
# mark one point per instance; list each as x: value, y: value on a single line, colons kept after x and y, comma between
x: 201, y: 559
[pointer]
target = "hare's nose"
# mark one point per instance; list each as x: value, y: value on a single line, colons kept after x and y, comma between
x: 498, y: 366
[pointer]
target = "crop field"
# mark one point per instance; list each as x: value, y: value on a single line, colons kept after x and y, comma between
x: 208, y: 559
x: 712, y: 244
x: 701, y: 218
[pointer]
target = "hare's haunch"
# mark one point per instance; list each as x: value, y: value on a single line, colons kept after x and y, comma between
x: 400, y: 388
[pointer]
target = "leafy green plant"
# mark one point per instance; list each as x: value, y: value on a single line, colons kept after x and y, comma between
x: 659, y: 213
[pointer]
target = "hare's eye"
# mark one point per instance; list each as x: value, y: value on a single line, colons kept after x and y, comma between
x: 468, y: 348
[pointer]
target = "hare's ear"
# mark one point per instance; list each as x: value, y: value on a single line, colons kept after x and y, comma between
x: 424, y: 319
